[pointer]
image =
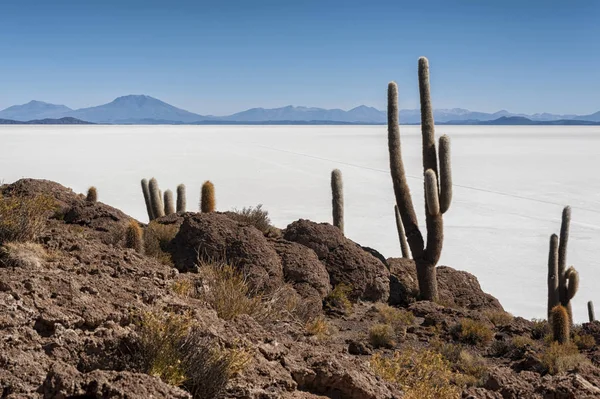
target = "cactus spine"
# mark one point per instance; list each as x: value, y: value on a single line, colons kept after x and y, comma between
x: 133, y: 237
x: 438, y: 192
x: 169, y: 205
x: 567, y: 279
x: 560, y: 324
x: 155, y: 200
x: 337, y: 191
x: 181, y: 200
x: 146, y: 192
x: 207, y: 197
x: 92, y: 194
x: 591, y: 314
x: 401, y: 234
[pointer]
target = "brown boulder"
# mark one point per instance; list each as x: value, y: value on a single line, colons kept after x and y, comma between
x: 346, y: 261
x: 212, y: 236
x: 456, y: 288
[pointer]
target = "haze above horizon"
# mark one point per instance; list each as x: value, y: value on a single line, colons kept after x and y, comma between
x: 221, y: 57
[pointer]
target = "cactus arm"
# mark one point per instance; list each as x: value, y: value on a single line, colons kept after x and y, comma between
x: 432, y: 200
x: 337, y: 191
x: 445, y: 174
x: 427, y: 123
x: 591, y: 315
x: 146, y: 192
x: 401, y: 235
x: 562, y: 253
x: 157, y: 206
x: 168, y: 202
x: 181, y: 198
x: 553, y: 297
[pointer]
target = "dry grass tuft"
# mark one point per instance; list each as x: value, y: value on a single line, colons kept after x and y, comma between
x: 24, y: 219
x: 319, y: 327
x: 382, y: 336
x: 399, y: 319
x: 27, y: 255
x: 421, y: 374
x: 254, y: 216
x: 338, y: 298
x: 558, y: 358
x: 473, y: 332
x: 499, y: 318
x: 157, y: 238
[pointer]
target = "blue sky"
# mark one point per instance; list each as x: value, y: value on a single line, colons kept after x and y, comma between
x: 219, y: 57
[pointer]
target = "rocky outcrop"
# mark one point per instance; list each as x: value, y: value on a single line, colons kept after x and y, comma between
x: 345, y: 261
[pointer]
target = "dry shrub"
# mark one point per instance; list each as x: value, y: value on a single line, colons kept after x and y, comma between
x: 584, y: 341
x: 23, y: 219
x: 338, y: 298
x: 319, y: 327
x: 521, y: 342
x: 421, y: 374
x: 173, y: 349
x: 27, y: 255
x: 557, y: 358
x: 472, y: 368
x: 226, y: 290
x: 498, y: 317
x: 473, y: 332
x: 157, y: 238
x: 399, y: 319
x: 183, y: 287
x: 540, y: 329
x: 254, y: 216
x: 382, y: 336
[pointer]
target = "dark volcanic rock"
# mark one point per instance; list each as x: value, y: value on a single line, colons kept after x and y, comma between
x: 345, y: 260
x: 212, y: 236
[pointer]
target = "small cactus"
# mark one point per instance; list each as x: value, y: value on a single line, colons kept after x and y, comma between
x: 92, y: 194
x: 337, y: 191
x: 146, y: 192
x: 181, y: 200
x: 560, y: 324
x: 169, y: 205
x: 133, y: 237
x: 157, y: 207
x: 207, y: 197
x: 591, y: 314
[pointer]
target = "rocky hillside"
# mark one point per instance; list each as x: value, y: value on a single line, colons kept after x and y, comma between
x: 211, y: 306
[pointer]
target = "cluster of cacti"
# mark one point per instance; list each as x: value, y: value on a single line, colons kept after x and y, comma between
x: 591, y: 314
x: 562, y: 282
x: 207, y: 197
x: 133, y: 237
x: 92, y: 194
x: 157, y: 204
x: 438, y: 186
x: 561, y: 326
x: 337, y: 193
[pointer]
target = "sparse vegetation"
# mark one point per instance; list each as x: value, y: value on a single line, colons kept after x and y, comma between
x: 471, y: 368
x: 398, y: 319
x: 558, y: 358
x: 156, y: 240
x: 254, y: 216
x: 421, y: 374
x: 582, y: 340
x: 183, y: 287
x: 24, y: 218
x: 473, y: 332
x: 22, y: 254
x: 499, y: 318
x: 338, y: 298
x: 319, y: 327
x: 541, y: 328
x: 382, y: 336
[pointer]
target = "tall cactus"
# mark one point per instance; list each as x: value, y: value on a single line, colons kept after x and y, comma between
x: 560, y: 324
x: 438, y: 185
x: 155, y: 200
x: 401, y: 234
x: 181, y: 200
x: 337, y: 193
x: 168, y: 202
x: 591, y: 314
x: 207, y: 197
x: 567, y: 282
x: 146, y: 192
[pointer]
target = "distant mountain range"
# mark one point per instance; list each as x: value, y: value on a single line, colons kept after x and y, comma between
x: 142, y: 109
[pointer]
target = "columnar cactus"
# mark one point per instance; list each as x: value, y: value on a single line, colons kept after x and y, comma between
x: 560, y: 324
x: 438, y: 185
x: 168, y: 203
x: 146, y: 192
x: 181, y: 200
x: 207, y: 197
x: 591, y: 311
x: 133, y: 237
x: 337, y: 191
x: 92, y: 194
x: 565, y: 284
x: 401, y: 234
x: 155, y: 200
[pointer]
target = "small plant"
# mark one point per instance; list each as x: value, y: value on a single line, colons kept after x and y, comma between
x: 422, y: 374
x: 254, y: 216
x: 521, y: 342
x: 338, y: 298
x: 24, y: 219
x: 319, y: 327
x: 157, y: 238
x: 382, y: 336
x: 134, y: 237
x: 583, y: 341
x: 182, y: 287
x: 540, y: 329
x: 207, y: 197
x: 499, y: 318
x: 473, y: 332
x: 471, y: 368
x: 92, y: 194
x: 399, y: 319
x: 558, y: 358
x: 26, y: 255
